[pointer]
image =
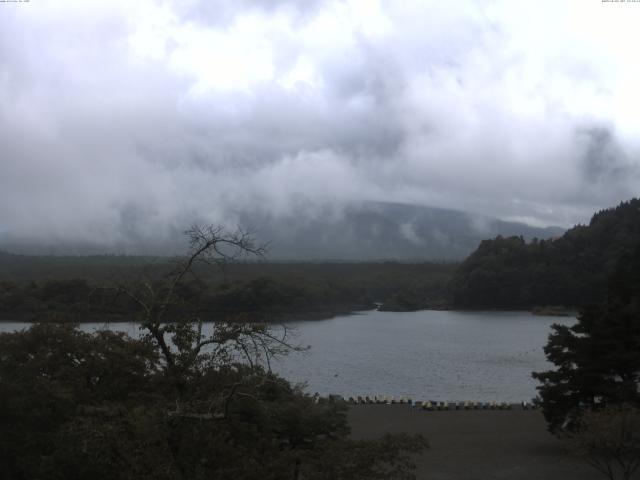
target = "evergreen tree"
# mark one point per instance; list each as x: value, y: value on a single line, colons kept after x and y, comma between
x: 598, y: 358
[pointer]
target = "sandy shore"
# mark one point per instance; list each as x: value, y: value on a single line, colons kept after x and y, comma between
x: 476, y: 445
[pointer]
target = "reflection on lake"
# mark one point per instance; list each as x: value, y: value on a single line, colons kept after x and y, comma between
x: 438, y: 355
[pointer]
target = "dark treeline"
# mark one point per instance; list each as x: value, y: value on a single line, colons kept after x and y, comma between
x: 506, y: 272
x: 81, y: 288
x: 570, y: 270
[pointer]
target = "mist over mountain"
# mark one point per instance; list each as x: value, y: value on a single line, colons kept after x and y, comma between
x: 380, y: 230
x: 192, y: 109
x: 357, y: 232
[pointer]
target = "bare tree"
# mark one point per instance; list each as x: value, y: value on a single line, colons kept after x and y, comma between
x: 182, y: 341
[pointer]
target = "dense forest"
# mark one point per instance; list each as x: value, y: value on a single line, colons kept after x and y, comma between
x: 570, y: 270
x: 505, y: 272
x: 87, y: 288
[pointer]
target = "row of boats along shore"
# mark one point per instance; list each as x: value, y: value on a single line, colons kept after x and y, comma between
x: 430, y: 405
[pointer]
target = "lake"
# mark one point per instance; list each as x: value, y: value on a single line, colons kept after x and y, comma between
x: 436, y: 355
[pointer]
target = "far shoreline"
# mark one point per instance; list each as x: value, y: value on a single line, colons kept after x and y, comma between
x: 275, y: 318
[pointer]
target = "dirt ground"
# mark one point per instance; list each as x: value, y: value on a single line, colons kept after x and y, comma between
x: 476, y: 444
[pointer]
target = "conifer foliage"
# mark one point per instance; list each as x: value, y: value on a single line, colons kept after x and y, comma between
x: 598, y: 359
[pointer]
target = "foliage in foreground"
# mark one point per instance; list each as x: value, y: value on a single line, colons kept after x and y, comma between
x: 78, y: 405
x: 178, y: 403
x: 598, y: 358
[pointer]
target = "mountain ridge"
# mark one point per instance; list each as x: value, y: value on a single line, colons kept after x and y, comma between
x: 386, y: 231
x: 369, y: 231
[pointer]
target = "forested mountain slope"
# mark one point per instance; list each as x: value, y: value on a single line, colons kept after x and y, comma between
x: 374, y: 231
x: 569, y: 270
x: 367, y: 231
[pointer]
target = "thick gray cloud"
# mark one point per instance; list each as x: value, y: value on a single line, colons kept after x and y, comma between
x: 123, y: 122
x: 605, y: 161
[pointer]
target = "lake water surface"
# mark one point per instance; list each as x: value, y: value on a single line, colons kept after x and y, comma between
x: 437, y: 355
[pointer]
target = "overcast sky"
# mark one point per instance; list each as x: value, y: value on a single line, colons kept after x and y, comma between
x: 122, y: 120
